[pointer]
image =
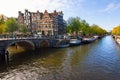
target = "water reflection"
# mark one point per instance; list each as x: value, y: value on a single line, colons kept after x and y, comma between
x: 95, y: 61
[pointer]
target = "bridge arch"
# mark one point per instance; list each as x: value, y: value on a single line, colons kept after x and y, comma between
x: 44, y: 43
x: 23, y: 43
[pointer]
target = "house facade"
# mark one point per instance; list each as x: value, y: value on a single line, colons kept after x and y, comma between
x: 43, y: 23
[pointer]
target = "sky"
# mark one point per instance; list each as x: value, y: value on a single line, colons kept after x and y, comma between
x: 105, y: 13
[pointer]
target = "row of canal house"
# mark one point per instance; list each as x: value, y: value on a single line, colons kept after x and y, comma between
x: 43, y: 23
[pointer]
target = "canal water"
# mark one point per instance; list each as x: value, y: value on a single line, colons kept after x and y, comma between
x: 99, y: 60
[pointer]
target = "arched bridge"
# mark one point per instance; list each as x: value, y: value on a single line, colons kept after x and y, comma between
x: 32, y: 44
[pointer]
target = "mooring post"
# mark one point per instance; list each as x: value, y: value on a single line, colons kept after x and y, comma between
x: 4, y: 57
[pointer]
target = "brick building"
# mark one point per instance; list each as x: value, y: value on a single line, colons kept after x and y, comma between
x: 43, y: 23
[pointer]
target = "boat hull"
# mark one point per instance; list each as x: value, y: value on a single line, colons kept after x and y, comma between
x: 75, y: 42
x: 88, y: 40
x: 62, y: 43
x: 63, y: 46
x: 118, y: 40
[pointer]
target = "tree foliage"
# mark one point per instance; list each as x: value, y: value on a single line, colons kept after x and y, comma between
x: 2, y: 20
x: 97, y: 30
x: 73, y: 25
x: 116, y: 30
x: 23, y: 28
x: 2, y: 26
x: 85, y: 28
x: 12, y: 25
x: 76, y: 25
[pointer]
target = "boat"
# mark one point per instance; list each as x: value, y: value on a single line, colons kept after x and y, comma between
x: 89, y: 39
x: 62, y: 43
x: 118, y: 40
x: 75, y: 41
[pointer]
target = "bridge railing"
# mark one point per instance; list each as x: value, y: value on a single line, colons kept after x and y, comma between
x: 30, y: 37
x: 43, y: 37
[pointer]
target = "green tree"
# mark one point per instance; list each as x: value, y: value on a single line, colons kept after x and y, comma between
x: 23, y: 28
x: 68, y: 29
x: 96, y: 30
x: 76, y: 24
x: 2, y: 26
x: 2, y: 20
x: 12, y: 25
x: 73, y: 25
x: 85, y: 28
x: 70, y: 25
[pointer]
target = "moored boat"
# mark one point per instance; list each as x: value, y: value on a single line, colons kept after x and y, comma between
x: 62, y: 43
x: 118, y: 40
x: 75, y: 41
x: 89, y: 39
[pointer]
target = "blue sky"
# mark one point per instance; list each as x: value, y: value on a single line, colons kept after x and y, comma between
x: 105, y: 13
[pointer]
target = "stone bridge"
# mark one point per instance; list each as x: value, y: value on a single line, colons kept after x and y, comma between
x: 31, y: 43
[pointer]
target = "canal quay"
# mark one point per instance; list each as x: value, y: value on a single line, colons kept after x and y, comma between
x: 99, y: 60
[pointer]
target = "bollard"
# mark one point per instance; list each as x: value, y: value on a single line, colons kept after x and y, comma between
x: 4, y: 57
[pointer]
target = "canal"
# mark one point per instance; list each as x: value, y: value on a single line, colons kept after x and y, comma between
x: 99, y: 60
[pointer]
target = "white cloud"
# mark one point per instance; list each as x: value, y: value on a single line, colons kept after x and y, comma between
x: 11, y: 7
x: 111, y: 7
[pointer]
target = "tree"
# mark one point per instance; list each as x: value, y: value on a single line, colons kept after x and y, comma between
x: 116, y: 30
x: 2, y: 20
x: 23, y: 28
x: 68, y: 29
x: 76, y: 24
x: 73, y: 25
x: 70, y: 25
x: 85, y: 28
x: 96, y: 30
x: 2, y: 26
x: 12, y: 25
